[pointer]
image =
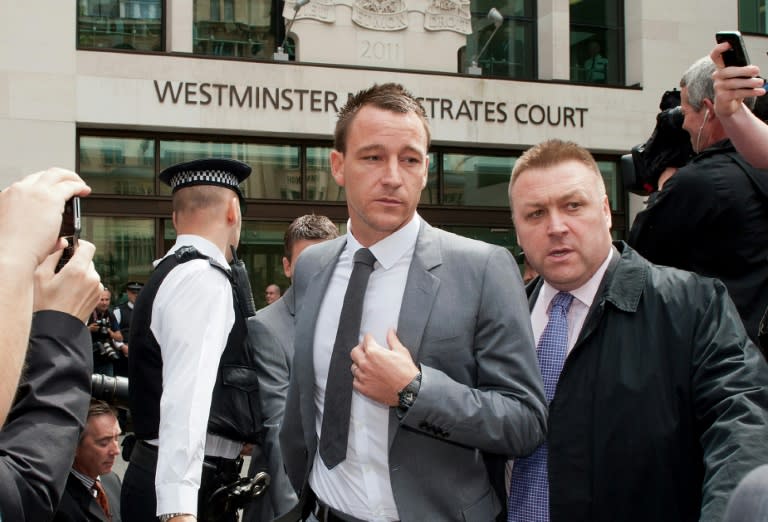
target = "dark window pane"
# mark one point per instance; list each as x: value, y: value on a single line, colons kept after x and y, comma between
x: 752, y: 16
x: 125, y: 249
x: 597, y: 42
x: 261, y: 249
x: 118, y: 165
x: 320, y: 183
x: 610, y: 172
x: 597, y: 12
x: 476, y: 180
x: 275, y: 168
x: 120, y: 24
x: 429, y: 194
x: 244, y: 28
x: 508, y: 52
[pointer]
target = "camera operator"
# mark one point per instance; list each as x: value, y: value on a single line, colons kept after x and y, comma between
x: 104, y: 334
x: 711, y: 217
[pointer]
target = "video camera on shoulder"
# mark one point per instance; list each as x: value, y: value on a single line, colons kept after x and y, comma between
x: 668, y: 146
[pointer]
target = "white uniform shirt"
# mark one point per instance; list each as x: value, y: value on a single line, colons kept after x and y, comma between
x: 192, y: 316
x: 360, y: 485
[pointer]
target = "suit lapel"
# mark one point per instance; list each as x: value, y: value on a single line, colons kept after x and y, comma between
x: 84, y: 499
x: 309, y: 307
x: 418, y: 299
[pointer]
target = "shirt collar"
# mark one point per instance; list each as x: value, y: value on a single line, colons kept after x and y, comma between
x: 585, y: 294
x: 201, y: 244
x: 88, y: 482
x: 391, y: 248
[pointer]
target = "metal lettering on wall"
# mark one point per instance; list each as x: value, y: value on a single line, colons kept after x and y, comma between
x: 253, y: 97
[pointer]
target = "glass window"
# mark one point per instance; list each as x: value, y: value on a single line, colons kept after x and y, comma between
x: 476, y: 180
x: 510, y: 51
x: 429, y: 195
x: 261, y: 249
x: 275, y: 174
x: 118, y: 165
x: 597, y: 41
x: 753, y: 16
x: 610, y: 172
x: 120, y: 24
x: 125, y: 249
x: 320, y: 183
x: 244, y: 28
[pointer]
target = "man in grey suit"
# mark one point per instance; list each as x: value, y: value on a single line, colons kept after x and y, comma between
x: 445, y: 373
x: 270, y: 334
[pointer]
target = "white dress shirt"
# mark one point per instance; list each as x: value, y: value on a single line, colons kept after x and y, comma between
x: 360, y: 486
x: 192, y: 316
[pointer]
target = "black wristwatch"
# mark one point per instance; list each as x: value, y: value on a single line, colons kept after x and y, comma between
x: 407, y: 395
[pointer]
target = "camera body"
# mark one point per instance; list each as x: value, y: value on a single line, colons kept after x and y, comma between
x: 668, y: 146
x: 102, y: 341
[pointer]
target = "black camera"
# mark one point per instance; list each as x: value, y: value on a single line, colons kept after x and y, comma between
x: 668, y: 146
x: 112, y: 390
x: 103, y: 324
x: 105, y: 349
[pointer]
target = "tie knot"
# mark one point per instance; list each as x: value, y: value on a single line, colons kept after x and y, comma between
x: 364, y: 256
x: 562, y: 300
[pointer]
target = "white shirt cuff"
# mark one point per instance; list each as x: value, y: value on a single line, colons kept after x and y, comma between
x: 176, y: 498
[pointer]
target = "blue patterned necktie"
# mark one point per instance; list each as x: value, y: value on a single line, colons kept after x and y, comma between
x: 529, y: 488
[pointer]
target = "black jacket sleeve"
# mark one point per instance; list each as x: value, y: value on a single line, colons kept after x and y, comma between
x: 37, y: 443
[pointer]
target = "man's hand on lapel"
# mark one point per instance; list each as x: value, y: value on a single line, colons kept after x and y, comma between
x: 380, y: 373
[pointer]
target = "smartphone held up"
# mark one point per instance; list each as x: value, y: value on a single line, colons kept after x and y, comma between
x: 70, y: 230
x: 736, y: 56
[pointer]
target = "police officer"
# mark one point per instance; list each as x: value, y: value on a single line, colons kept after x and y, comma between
x: 124, y: 312
x: 187, y: 365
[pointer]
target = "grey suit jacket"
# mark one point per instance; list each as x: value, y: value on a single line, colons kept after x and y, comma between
x: 271, y: 333
x: 465, y: 320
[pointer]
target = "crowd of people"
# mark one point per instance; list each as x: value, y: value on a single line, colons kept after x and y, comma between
x: 407, y: 374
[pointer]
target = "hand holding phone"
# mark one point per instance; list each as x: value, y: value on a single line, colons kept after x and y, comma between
x: 70, y: 230
x: 737, y: 55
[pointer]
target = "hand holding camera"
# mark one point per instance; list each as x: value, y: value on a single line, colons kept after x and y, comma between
x: 75, y: 290
x: 43, y: 196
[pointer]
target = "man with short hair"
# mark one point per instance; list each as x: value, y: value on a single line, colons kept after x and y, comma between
x: 105, y: 333
x: 657, y: 397
x: 193, y: 387
x: 711, y: 216
x: 271, y: 334
x: 272, y: 293
x: 93, y: 490
x: 413, y: 352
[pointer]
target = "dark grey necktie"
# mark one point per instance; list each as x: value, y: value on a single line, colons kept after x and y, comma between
x: 338, y: 389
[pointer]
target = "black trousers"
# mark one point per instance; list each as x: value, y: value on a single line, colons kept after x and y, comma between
x: 138, y: 502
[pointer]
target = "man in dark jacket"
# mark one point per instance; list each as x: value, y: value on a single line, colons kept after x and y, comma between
x: 93, y: 489
x: 658, y: 403
x: 711, y: 217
